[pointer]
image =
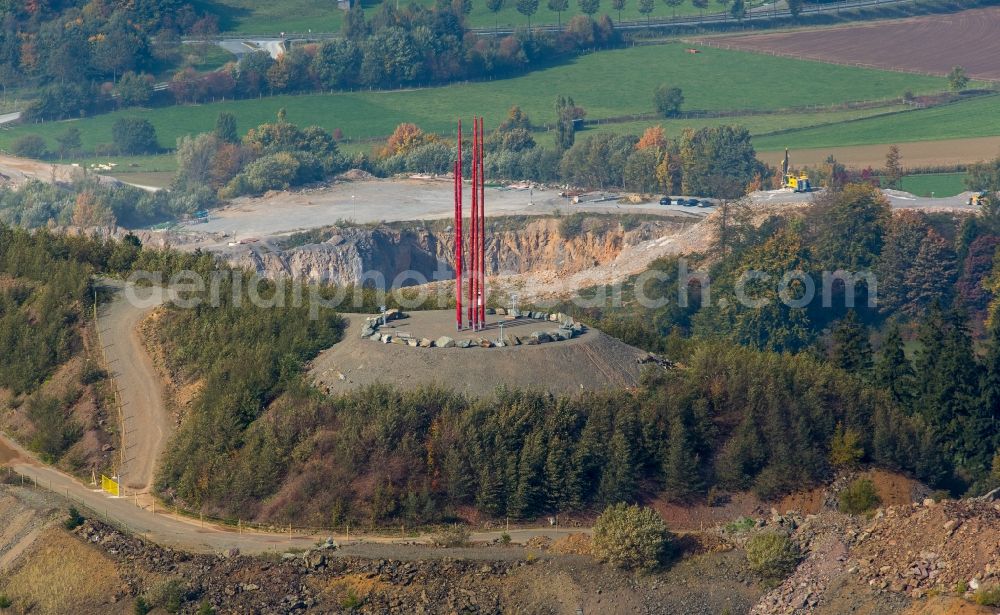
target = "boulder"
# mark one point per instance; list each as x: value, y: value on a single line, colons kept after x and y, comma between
x: 367, y: 331
x: 425, y: 343
x: 413, y: 343
x: 514, y: 340
x: 559, y: 335
x: 483, y: 343
x: 386, y: 338
x: 553, y: 317
x: 444, y: 342
x: 375, y: 337
x: 541, y: 337
x: 464, y: 343
x: 398, y: 340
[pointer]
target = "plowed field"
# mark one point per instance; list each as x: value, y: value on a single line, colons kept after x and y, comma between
x: 932, y: 44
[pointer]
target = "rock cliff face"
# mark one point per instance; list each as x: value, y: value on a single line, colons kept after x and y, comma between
x: 408, y: 256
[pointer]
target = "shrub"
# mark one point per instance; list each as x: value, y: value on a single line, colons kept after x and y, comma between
x: 772, y: 556
x: 75, y: 519
x: 133, y: 135
x: 350, y: 601
x: 859, y: 497
x: 668, y: 100
x: 4, y: 601
x: 141, y: 606
x: 169, y: 594
x: 29, y: 146
x: 743, y: 524
x: 630, y: 537
x: 92, y: 373
x: 571, y: 227
x: 55, y: 429
x: 988, y: 597
x: 452, y: 536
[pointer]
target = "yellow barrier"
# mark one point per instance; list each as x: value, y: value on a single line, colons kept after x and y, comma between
x: 110, y: 485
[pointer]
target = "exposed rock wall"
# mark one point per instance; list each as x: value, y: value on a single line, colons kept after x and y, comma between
x: 355, y: 254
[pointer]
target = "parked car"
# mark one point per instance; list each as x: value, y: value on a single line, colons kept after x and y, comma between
x: 665, y: 200
x: 693, y: 202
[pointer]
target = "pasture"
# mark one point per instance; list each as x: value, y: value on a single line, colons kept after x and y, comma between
x: 607, y: 84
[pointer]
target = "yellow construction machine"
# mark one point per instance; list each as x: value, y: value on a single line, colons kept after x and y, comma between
x: 977, y: 199
x: 797, y: 182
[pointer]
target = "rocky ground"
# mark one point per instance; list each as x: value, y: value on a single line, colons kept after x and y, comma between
x: 928, y: 558
x: 948, y: 551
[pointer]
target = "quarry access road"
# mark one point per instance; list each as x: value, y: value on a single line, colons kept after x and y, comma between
x: 147, y: 423
x: 190, y: 534
x: 148, y: 426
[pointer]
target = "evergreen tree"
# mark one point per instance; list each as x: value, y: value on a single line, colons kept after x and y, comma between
x: 225, y: 128
x: 893, y: 372
x: 932, y: 275
x: 682, y: 468
x: 529, y: 495
x: 900, y: 246
x: 618, y: 480
x: 851, y: 349
x: 981, y: 430
x: 947, y: 376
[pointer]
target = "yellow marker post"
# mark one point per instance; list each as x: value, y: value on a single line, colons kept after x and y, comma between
x: 110, y: 485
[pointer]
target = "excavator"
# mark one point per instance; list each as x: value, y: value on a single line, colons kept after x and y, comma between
x: 796, y: 182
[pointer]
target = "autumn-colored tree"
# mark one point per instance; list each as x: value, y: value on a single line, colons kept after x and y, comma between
x: 406, y: 137
x: 654, y: 137
x: 89, y: 212
x: 894, y: 166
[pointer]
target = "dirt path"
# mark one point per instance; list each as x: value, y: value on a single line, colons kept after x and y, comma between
x: 147, y: 422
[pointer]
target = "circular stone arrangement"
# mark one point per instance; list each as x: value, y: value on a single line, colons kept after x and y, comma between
x: 385, y: 329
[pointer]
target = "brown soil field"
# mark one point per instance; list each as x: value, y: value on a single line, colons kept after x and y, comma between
x: 915, y: 154
x: 932, y: 44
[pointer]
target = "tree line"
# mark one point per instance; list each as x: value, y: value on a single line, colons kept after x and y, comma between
x: 709, y: 162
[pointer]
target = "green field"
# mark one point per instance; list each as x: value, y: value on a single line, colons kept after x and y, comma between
x: 979, y: 117
x: 756, y: 124
x: 607, y: 84
x: 299, y: 16
x: 938, y: 184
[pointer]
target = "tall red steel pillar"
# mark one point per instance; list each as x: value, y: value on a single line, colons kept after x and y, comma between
x: 474, y: 238
x: 459, y: 251
x: 481, y: 233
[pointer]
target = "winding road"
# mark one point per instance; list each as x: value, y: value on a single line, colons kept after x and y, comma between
x: 148, y: 427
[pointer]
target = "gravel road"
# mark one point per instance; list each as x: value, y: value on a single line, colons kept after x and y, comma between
x: 147, y: 422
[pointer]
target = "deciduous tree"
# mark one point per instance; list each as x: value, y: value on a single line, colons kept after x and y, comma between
x: 668, y: 100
